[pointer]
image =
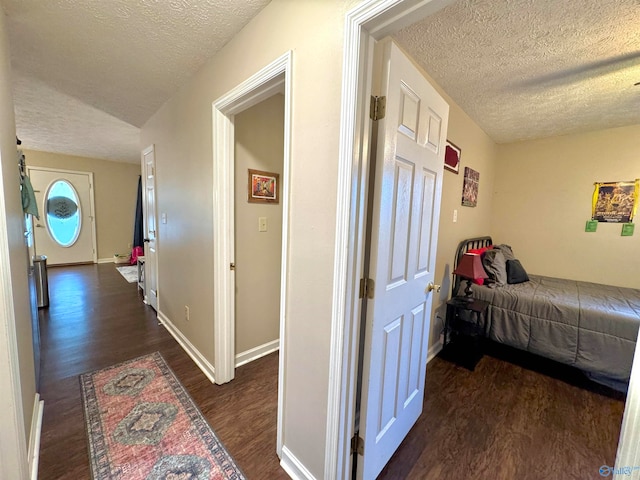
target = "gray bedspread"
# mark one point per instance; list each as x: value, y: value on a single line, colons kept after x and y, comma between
x: 592, y: 327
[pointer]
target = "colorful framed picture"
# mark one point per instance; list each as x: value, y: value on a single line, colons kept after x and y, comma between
x: 452, y: 154
x: 615, y: 202
x: 264, y: 187
x: 470, y: 187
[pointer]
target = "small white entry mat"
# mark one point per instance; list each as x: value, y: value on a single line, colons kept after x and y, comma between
x: 129, y: 272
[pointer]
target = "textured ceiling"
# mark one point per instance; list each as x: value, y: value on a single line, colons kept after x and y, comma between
x: 123, y: 57
x: 55, y: 122
x: 526, y: 69
x: 89, y: 73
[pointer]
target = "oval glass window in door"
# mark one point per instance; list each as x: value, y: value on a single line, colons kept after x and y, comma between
x: 63, y: 213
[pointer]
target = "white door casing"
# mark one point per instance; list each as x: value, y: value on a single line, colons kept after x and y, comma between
x: 260, y: 86
x: 406, y: 205
x: 150, y: 228
x: 83, y: 249
x: 365, y: 23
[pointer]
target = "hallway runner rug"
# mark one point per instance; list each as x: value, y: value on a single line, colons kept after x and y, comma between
x: 142, y: 424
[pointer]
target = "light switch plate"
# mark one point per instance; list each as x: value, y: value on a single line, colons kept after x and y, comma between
x: 262, y: 224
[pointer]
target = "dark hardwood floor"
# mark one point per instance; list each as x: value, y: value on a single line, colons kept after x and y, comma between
x: 515, y: 417
x: 97, y: 319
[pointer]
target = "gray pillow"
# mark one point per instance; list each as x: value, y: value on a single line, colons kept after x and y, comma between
x: 506, y: 251
x: 495, y: 265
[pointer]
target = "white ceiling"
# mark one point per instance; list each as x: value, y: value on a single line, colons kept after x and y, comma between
x: 89, y: 73
x: 526, y: 69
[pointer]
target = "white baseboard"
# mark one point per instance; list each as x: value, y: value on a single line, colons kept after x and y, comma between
x: 199, y: 359
x: 34, y: 436
x: 294, y: 468
x: 105, y: 260
x: 434, y: 350
x: 256, y: 352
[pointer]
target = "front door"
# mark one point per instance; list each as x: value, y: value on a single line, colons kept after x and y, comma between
x: 150, y: 252
x: 65, y: 232
x: 406, y: 206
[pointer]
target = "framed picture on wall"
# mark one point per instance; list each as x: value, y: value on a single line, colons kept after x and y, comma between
x: 452, y: 156
x: 615, y: 202
x: 470, y: 187
x: 264, y: 187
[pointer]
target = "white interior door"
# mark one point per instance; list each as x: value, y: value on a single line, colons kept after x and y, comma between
x: 408, y: 186
x: 65, y: 232
x: 150, y: 225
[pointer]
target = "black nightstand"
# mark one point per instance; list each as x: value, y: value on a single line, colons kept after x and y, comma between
x: 464, y: 330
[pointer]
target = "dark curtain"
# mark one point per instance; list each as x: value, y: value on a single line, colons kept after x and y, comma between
x: 138, y: 230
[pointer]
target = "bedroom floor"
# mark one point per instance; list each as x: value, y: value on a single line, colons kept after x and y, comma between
x: 515, y: 417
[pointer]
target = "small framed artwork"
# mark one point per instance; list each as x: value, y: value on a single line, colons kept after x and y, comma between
x: 264, y: 187
x: 452, y: 154
x: 470, y: 187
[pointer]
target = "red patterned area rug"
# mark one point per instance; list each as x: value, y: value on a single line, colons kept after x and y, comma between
x: 142, y: 424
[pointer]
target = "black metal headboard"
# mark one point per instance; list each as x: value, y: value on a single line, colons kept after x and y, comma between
x: 465, y: 246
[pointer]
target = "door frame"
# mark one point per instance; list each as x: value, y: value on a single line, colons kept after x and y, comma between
x: 252, y: 91
x: 92, y: 201
x: 366, y: 23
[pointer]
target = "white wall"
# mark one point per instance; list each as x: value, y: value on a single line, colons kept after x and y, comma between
x: 182, y: 133
x: 543, y: 199
x: 17, y: 374
x: 259, y: 137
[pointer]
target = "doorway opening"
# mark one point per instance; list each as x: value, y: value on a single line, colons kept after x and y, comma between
x: 258, y: 136
x: 271, y: 84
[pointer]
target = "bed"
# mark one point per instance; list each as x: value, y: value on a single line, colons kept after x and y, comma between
x: 586, y: 325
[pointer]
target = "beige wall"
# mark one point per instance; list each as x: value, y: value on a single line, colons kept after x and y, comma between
x: 115, y: 190
x: 259, y: 135
x: 16, y: 347
x: 182, y: 133
x: 543, y: 199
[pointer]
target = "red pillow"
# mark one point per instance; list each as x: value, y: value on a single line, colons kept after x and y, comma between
x: 480, y: 251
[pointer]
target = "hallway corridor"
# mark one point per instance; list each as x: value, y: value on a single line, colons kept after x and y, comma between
x: 97, y: 319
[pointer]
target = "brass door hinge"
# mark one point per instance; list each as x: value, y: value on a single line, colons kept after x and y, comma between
x: 367, y: 286
x: 357, y: 445
x: 378, y: 108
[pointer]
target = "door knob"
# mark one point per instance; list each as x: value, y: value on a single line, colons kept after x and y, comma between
x: 432, y: 287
